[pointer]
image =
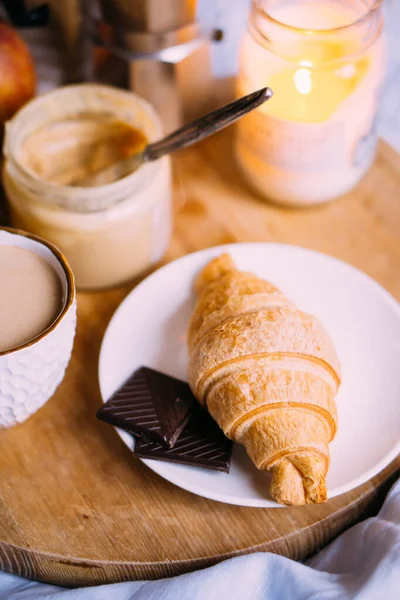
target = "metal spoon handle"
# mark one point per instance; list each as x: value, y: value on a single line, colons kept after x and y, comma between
x: 205, y: 126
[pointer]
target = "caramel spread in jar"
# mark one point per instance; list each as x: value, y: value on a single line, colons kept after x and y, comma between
x: 109, y: 233
x: 68, y: 151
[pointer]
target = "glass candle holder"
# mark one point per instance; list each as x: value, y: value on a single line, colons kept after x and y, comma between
x: 325, y: 61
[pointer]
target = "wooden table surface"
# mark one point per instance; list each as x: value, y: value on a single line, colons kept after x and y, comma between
x: 77, y: 508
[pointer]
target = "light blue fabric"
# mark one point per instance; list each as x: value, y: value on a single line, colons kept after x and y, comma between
x: 362, y: 564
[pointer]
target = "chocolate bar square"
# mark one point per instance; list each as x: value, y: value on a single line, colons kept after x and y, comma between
x: 150, y: 404
x: 202, y: 443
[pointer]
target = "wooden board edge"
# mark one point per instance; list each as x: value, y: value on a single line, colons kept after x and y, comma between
x: 72, y: 572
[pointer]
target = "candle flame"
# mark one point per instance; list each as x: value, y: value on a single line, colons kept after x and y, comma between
x: 305, y: 63
x: 302, y: 81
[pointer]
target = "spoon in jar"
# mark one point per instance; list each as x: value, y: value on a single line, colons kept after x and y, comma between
x: 181, y: 138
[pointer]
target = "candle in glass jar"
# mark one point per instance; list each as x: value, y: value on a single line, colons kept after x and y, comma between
x: 325, y: 63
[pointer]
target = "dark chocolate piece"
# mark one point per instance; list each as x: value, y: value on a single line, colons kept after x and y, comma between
x: 202, y: 443
x: 150, y: 404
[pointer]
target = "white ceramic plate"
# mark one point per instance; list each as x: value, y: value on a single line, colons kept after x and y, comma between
x: 362, y: 318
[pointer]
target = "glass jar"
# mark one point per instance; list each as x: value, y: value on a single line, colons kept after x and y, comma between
x: 109, y: 233
x: 325, y: 61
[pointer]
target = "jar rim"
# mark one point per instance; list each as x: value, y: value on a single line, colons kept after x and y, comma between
x: 86, y: 199
x: 376, y: 5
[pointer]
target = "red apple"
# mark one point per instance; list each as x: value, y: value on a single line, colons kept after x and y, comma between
x: 17, y: 73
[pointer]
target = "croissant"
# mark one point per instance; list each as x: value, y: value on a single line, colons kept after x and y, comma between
x: 268, y: 374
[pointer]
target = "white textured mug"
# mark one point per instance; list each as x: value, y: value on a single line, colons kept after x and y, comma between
x: 31, y: 372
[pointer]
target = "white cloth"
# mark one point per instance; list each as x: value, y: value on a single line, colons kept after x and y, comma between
x: 361, y: 564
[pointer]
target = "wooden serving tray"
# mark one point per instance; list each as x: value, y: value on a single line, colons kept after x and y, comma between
x: 76, y: 508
